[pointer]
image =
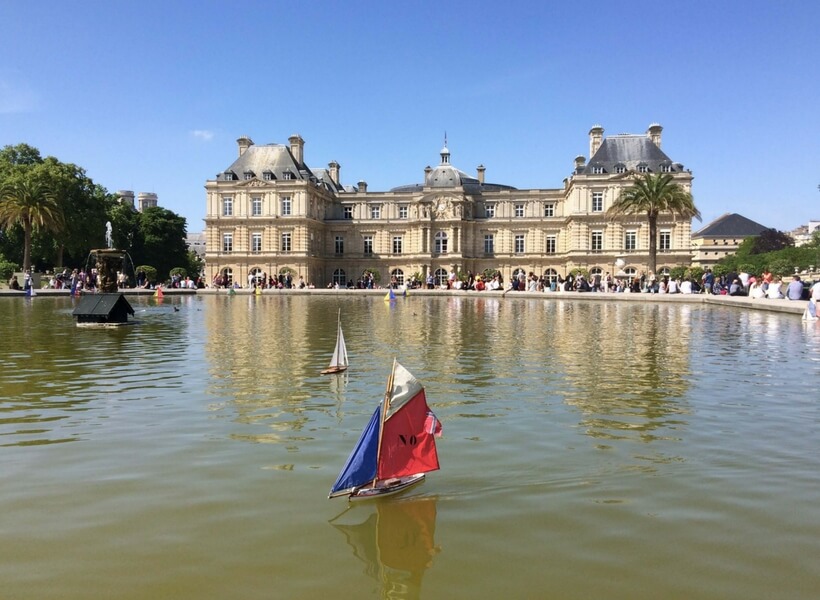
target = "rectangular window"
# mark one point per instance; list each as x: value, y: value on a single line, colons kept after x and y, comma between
x: 286, y: 207
x: 549, y: 210
x: 256, y: 243
x: 665, y: 241
x: 397, y: 245
x: 287, y: 176
x: 519, y: 244
x: 256, y: 207
x: 643, y: 169
x: 597, y: 201
x: 340, y: 244
x: 552, y: 244
x: 631, y: 240
x: 489, y: 244
x: 375, y: 212
x: 519, y: 210
x: 597, y: 241
x: 268, y: 176
x: 597, y: 170
x: 620, y: 169
x: 441, y: 243
x: 286, y: 242
x: 227, y: 206
x: 402, y: 211
x: 368, y: 244
x: 666, y: 168
x: 347, y: 212
x: 489, y: 211
x: 227, y: 243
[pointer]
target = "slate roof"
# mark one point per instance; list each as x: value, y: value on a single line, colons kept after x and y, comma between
x: 731, y: 225
x: 278, y: 160
x: 630, y: 151
x: 102, y: 305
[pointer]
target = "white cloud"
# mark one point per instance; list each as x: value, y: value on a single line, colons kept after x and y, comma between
x: 203, y: 134
x: 16, y: 98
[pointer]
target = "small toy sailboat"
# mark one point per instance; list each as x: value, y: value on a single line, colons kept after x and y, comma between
x: 338, y: 362
x: 397, y: 447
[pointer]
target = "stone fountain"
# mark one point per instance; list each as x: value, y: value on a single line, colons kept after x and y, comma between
x: 108, y: 307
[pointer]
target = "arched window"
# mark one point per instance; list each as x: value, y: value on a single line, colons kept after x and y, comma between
x: 256, y: 277
x: 663, y: 272
x: 551, y: 276
x: 596, y: 271
x: 399, y: 275
x: 519, y: 271
x: 631, y: 272
x: 441, y: 277
x: 339, y: 277
x: 227, y: 276
x: 441, y: 243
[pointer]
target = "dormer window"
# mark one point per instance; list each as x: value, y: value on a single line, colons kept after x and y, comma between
x: 619, y: 168
x: 643, y: 168
x: 597, y: 170
x: 249, y: 175
x: 287, y: 175
x: 267, y: 175
x: 228, y: 175
x: 666, y: 168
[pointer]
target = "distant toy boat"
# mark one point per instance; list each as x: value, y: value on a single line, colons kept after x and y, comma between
x: 338, y: 362
x: 390, y: 296
x: 397, y: 447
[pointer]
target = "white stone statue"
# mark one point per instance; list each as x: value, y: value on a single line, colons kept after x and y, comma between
x: 109, y: 238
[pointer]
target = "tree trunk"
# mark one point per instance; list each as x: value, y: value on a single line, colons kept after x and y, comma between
x: 653, y: 243
x: 26, y: 245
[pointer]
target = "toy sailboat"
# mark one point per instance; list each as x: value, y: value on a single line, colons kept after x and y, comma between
x: 397, y: 447
x: 338, y: 362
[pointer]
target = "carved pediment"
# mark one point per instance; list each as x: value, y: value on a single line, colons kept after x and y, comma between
x: 253, y: 183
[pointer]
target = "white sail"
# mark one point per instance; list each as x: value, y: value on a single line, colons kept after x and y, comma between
x: 339, y: 358
x: 338, y: 362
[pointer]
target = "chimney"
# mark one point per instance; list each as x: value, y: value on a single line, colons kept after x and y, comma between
x: 480, y: 172
x: 244, y: 143
x: 363, y: 187
x: 596, y: 136
x: 654, y: 133
x: 297, y: 148
x: 334, y: 171
x: 579, y: 162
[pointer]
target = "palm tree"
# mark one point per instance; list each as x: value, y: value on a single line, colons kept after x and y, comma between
x: 654, y: 194
x: 30, y: 203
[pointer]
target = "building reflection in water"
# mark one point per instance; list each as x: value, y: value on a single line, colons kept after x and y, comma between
x: 624, y: 367
x: 633, y: 372
x: 395, y: 541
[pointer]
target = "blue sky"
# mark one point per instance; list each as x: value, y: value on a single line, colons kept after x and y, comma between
x: 151, y: 96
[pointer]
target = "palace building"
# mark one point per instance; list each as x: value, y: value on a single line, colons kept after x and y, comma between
x: 269, y: 213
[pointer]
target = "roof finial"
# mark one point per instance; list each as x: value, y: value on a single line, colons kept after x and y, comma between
x: 445, y: 138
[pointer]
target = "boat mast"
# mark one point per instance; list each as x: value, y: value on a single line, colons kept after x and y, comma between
x: 385, y: 406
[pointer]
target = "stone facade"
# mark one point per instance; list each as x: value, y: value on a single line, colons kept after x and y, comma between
x: 268, y: 212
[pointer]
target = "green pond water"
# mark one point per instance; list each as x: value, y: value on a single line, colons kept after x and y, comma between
x: 591, y: 450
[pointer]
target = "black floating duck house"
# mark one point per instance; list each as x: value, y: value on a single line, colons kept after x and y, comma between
x: 103, y: 310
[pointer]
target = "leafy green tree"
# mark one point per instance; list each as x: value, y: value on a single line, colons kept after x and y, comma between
x: 163, y: 233
x: 652, y: 194
x: 28, y: 202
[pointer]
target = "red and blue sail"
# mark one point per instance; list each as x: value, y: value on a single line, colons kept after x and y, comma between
x: 408, y: 446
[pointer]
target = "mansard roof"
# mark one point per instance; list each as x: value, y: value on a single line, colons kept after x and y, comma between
x: 731, y: 225
x: 630, y: 151
x: 275, y: 158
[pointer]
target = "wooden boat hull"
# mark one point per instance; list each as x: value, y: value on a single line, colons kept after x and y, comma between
x: 334, y: 370
x: 387, y: 488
